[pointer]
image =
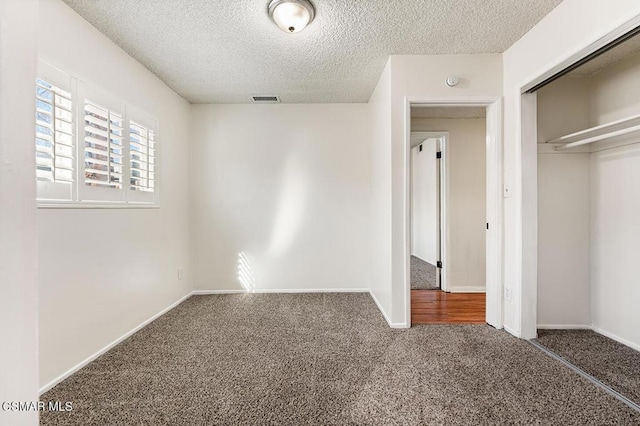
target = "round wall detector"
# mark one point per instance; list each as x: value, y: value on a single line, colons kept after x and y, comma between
x: 452, y: 80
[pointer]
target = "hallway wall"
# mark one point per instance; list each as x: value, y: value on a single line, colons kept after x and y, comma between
x: 466, y: 163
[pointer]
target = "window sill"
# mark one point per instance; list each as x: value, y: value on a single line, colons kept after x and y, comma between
x: 54, y: 204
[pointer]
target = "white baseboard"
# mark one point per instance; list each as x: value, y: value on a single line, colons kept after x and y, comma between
x: 564, y: 327
x: 207, y: 292
x: 467, y: 289
x: 617, y: 338
x: 283, y: 290
x: 593, y: 328
x: 309, y: 290
x: 77, y: 367
x: 384, y: 314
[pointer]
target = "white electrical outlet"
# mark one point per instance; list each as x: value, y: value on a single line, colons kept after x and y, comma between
x: 180, y: 273
x: 507, y: 293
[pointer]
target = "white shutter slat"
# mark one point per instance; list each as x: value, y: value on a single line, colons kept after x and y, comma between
x: 93, y: 171
x: 61, y: 150
x: 96, y: 131
x: 64, y: 115
x: 44, y: 107
x: 63, y: 126
x: 44, y: 116
x: 96, y: 120
x: 135, y: 146
x: 44, y: 175
x: 93, y: 160
x: 43, y: 94
x: 64, y: 175
x: 42, y: 123
x: 64, y: 139
x: 95, y: 141
x: 94, y: 109
x: 138, y: 157
x: 64, y: 103
x: 139, y: 167
x: 42, y: 161
x: 140, y: 186
x: 44, y: 150
x: 63, y: 167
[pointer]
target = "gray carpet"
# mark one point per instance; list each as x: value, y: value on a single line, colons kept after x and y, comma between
x: 613, y: 363
x: 323, y: 359
x: 423, y: 275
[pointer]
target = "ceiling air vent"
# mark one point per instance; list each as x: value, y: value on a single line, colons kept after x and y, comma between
x: 266, y: 99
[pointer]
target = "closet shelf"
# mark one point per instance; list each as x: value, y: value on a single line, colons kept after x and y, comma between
x: 598, y: 133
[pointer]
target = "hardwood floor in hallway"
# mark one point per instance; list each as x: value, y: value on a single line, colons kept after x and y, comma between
x: 438, y: 307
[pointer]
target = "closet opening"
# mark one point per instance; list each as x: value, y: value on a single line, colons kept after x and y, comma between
x: 588, y: 209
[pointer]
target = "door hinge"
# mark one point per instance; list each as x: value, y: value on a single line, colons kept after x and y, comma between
x: 439, y: 264
x: 439, y: 154
x: 487, y: 225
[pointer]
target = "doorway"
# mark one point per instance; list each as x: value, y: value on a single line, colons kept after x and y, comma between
x: 473, y: 292
x: 427, y: 225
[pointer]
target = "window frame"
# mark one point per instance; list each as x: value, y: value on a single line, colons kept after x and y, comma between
x: 77, y: 194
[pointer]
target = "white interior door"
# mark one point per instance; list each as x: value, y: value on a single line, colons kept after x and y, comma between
x: 424, y: 241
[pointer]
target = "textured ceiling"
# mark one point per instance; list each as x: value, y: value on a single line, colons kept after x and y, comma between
x: 448, y: 112
x: 222, y: 51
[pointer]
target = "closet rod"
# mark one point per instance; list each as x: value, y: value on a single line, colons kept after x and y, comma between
x: 598, y: 138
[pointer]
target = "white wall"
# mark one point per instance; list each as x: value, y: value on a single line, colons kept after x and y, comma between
x: 19, y: 299
x: 570, y: 27
x: 424, y: 201
x: 418, y: 77
x: 563, y: 240
x: 287, y: 188
x: 91, y: 297
x: 614, y: 93
x: 564, y: 291
x: 615, y: 250
x: 379, y: 119
x: 563, y: 107
x: 615, y: 208
x: 466, y: 163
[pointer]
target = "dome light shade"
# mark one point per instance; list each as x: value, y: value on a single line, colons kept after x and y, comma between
x: 291, y: 16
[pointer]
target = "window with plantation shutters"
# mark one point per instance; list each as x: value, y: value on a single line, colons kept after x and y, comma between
x: 142, y: 157
x: 103, y: 147
x: 54, y: 134
x: 91, y: 148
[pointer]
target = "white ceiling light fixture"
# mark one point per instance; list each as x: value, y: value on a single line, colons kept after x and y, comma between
x: 291, y: 16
